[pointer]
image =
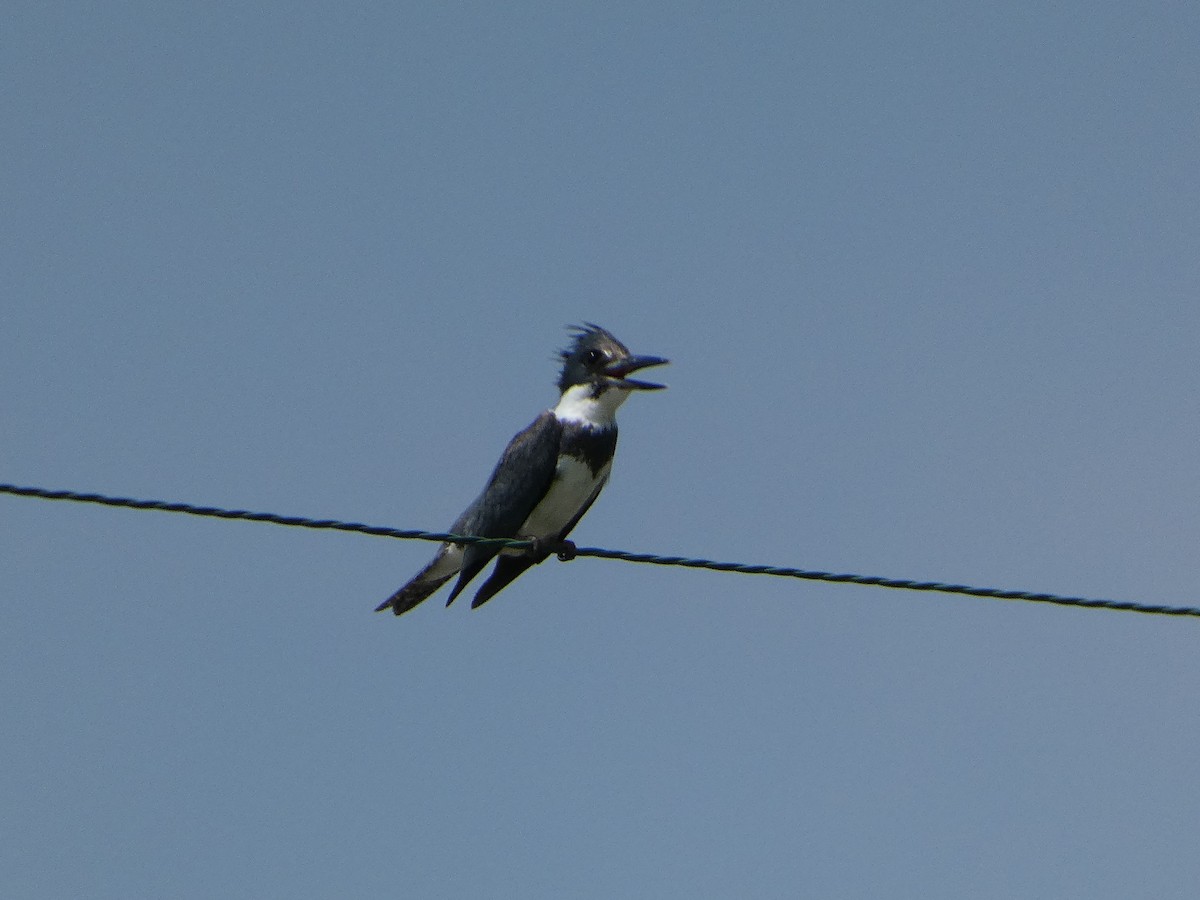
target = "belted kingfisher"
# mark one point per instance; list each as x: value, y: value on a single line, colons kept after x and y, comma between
x: 549, y: 476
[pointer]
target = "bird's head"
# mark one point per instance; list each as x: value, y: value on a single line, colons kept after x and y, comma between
x: 597, y: 358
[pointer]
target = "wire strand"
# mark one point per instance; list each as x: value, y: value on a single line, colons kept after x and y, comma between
x: 655, y: 559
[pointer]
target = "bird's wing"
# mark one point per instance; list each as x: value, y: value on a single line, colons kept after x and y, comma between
x: 519, y: 482
x: 509, y: 568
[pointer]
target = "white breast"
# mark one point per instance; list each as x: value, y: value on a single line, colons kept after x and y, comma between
x: 579, y: 406
x: 573, y: 484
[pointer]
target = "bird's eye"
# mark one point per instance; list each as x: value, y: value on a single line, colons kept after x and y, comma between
x: 592, y: 357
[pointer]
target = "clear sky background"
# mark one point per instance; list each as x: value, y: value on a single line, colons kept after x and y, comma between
x: 929, y: 275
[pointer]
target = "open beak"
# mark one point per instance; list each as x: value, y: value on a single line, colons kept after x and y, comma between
x: 619, y: 369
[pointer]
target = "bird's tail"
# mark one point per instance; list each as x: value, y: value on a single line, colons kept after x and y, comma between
x: 424, y: 583
x: 411, y: 594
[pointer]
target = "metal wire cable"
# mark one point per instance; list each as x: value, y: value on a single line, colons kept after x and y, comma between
x: 570, y: 551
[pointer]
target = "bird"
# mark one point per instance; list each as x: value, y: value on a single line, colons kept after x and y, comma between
x: 547, y: 478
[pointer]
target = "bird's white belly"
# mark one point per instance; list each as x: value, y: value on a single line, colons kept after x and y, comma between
x: 573, y: 484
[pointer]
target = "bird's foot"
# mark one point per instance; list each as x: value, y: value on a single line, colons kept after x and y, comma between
x: 541, y: 548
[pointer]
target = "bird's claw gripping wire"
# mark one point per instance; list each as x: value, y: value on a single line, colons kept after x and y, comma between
x: 541, y: 548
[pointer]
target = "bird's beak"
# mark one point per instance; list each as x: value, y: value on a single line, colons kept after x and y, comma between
x: 618, y: 369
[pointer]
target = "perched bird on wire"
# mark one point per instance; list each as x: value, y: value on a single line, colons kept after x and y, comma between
x: 548, y: 477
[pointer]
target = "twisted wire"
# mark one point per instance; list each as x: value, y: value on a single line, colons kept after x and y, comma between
x: 569, y: 551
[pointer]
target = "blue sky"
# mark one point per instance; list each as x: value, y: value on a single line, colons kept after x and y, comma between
x: 928, y: 278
